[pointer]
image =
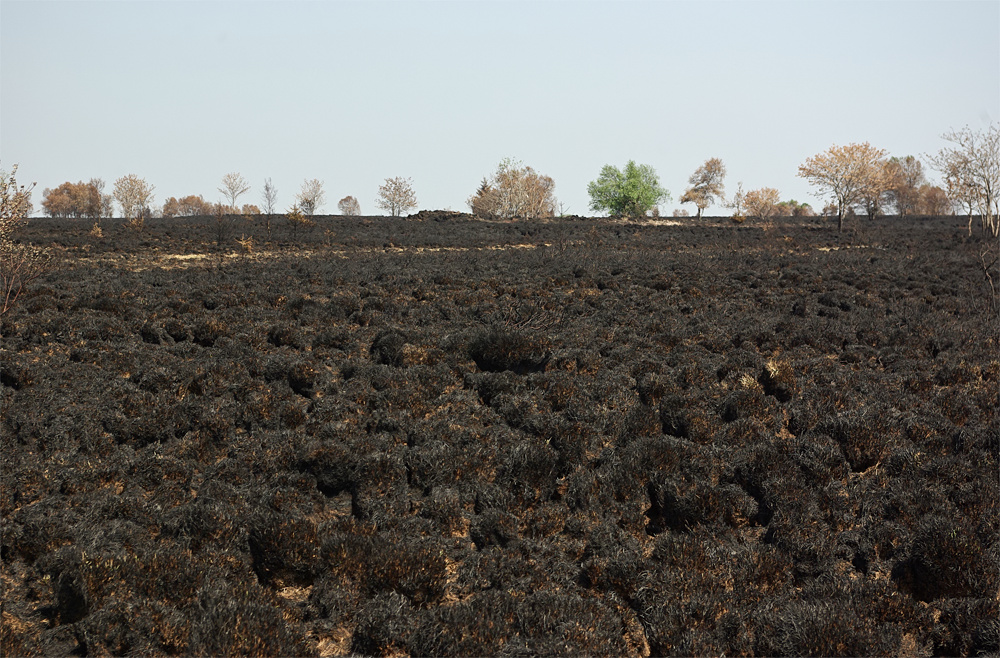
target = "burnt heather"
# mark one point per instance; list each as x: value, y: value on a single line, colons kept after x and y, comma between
x: 443, y: 436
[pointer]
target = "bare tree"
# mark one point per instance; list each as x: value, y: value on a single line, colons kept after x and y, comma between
x: 20, y: 264
x: 233, y: 187
x: 738, y: 203
x: 349, y: 206
x: 706, y: 184
x: 513, y: 191
x: 311, y: 197
x: 849, y: 173
x: 396, y: 196
x: 269, y: 199
x: 134, y: 195
x: 972, y: 169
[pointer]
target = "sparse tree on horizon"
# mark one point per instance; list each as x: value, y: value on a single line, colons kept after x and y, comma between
x: 514, y: 191
x: 706, y: 185
x: 77, y: 200
x: 849, y: 173
x: 737, y: 203
x: 933, y: 201
x: 349, y: 206
x: 134, y: 195
x: 233, y: 187
x: 311, y: 197
x: 972, y: 169
x: 762, y: 203
x: 906, y: 176
x: 632, y: 192
x: 269, y: 197
x: 396, y: 196
x: 189, y: 206
x: 793, y: 208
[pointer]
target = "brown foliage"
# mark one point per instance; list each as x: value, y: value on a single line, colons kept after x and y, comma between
x: 706, y: 185
x: 189, y: 206
x: 349, y: 206
x: 933, y: 201
x: 851, y: 173
x: 905, y: 176
x: 762, y: 203
x: 73, y: 200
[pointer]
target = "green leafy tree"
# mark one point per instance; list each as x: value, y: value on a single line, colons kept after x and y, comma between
x: 631, y: 192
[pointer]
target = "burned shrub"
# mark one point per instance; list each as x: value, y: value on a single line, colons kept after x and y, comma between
x: 338, y: 338
x: 377, y: 564
x: 515, y: 350
x: 867, y: 435
x: 778, y: 380
x: 821, y: 628
x: 208, y: 332
x: 387, y: 348
x: 444, y: 507
x: 15, y: 375
x: 967, y: 627
x: 381, y: 494
x: 283, y: 547
x: 286, y: 335
x: 749, y: 403
x: 239, y: 619
x: 948, y: 560
x: 302, y: 378
x: 493, y: 527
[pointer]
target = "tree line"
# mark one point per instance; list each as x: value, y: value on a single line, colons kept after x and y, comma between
x: 856, y: 178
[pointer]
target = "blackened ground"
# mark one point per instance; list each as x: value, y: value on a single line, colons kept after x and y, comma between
x: 442, y: 436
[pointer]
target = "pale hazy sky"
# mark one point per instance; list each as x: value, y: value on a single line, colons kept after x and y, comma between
x: 181, y: 93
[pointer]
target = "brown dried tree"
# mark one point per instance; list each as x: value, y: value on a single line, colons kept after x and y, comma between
x: 850, y: 173
x: 762, y: 203
x: 706, y: 185
x: 906, y: 175
x: 349, y: 206
x: 77, y: 200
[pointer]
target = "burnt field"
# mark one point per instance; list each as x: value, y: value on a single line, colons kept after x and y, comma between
x: 443, y: 436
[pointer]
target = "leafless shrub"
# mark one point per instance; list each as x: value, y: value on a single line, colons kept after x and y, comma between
x: 20, y: 264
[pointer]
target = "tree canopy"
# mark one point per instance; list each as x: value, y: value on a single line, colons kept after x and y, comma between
x: 631, y: 192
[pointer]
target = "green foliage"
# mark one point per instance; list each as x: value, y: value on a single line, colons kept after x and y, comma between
x: 629, y: 193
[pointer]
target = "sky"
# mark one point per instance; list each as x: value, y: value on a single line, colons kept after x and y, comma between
x: 351, y: 93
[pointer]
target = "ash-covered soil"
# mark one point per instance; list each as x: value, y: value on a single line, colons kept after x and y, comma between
x: 441, y: 436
